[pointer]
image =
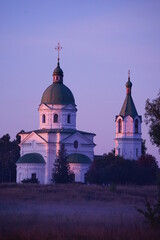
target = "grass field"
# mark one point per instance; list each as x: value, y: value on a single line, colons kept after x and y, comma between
x: 74, y: 211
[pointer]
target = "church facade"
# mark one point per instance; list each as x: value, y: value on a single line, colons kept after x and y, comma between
x: 128, y: 140
x: 57, y: 125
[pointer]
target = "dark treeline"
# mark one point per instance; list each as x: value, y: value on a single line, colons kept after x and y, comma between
x: 9, y: 154
x: 104, y: 169
x: 110, y: 169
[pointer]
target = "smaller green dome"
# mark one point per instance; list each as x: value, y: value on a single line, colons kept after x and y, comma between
x: 31, y: 158
x: 79, y: 158
x: 128, y: 84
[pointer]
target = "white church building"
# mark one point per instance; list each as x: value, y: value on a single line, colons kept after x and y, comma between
x: 57, y: 125
x: 128, y: 140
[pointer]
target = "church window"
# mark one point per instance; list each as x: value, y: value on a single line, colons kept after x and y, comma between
x: 55, y: 118
x: 119, y: 151
x: 69, y: 118
x: 75, y: 144
x: 119, y: 126
x: 43, y: 118
x: 33, y: 176
x: 136, y: 126
x: 136, y: 152
x: 73, y: 177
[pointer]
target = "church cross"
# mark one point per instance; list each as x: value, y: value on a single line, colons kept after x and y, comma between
x: 128, y: 73
x: 58, y: 48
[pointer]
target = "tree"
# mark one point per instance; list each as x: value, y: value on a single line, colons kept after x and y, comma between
x: 150, y: 166
x: 152, y: 117
x: 61, y: 171
x: 148, y: 161
x: 9, y: 154
x: 143, y: 147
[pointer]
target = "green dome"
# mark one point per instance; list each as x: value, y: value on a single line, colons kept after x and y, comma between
x: 31, y: 158
x: 58, y: 93
x: 79, y: 158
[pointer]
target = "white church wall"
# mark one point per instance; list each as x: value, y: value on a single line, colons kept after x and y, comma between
x: 25, y: 170
x: 49, y: 112
x: 85, y: 146
x: 79, y: 170
x: 128, y: 126
x: 33, y: 147
x: 51, y: 157
x: 128, y: 148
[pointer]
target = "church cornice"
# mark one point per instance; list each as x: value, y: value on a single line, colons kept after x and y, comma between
x: 131, y: 138
x: 59, y: 130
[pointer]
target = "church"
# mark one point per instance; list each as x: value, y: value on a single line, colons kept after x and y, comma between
x: 57, y: 125
x: 128, y: 140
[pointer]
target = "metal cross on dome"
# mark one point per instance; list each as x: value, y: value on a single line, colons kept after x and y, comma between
x: 128, y: 73
x: 58, y: 48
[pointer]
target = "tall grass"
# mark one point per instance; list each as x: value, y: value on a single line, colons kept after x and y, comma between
x: 74, y: 211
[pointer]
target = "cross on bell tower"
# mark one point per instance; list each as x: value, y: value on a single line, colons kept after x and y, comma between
x: 58, y: 48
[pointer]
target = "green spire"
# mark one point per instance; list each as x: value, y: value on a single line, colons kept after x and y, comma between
x: 128, y: 108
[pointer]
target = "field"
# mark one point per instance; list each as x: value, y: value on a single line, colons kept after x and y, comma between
x: 74, y: 211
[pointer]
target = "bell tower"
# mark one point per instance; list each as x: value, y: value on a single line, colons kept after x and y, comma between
x: 128, y: 139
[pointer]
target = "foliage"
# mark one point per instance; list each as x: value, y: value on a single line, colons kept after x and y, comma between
x: 148, y: 161
x: 30, y: 180
x: 144, y: 148
x: 109, y: 169
x: 61, y: 171
x: 158, y: 181
x: 152, y: 117
x: 112, y: 187
x: 9, y: 154
x: 151, y: 213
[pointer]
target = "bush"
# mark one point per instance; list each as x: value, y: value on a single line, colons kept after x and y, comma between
x: 151, y: 213
x: 30, y: 180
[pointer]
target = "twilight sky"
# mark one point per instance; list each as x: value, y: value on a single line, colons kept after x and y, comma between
x: 101, y: 40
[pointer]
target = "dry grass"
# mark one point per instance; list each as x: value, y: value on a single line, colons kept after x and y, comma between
x: 74, y: 212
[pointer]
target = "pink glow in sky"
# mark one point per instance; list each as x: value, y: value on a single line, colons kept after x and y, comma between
x: 101, y: 40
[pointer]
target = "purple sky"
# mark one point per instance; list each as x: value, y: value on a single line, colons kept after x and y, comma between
x: 101, y: 40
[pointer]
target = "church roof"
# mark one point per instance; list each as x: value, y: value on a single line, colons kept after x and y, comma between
x: 58, y: 93
x: 31, y: 158
x: 79, y: 158
x: 128, y: 108
x: 58, y: 130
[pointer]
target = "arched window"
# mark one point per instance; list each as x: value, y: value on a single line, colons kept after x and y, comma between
x: 119, y: 151
x: 55, y: 118
x: 43, y: 118
x: 136, y: 126
x: 69, y: 118
x: 76, y: 144
x: 119, y: 125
